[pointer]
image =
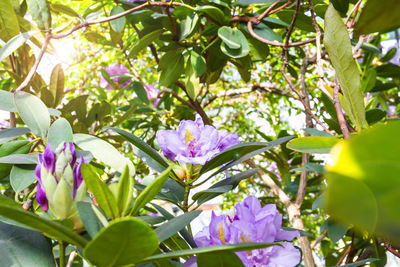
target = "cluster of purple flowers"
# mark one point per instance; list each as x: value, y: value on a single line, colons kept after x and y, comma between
x: 252, y: 223
x: 60, y: 181
x: 194, y: 142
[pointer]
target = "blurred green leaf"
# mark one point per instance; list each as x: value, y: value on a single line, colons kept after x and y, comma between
x: 9, y: 26
x: 140, y: 92
x: 40, y: 12
x: 313, y: 144
x: 64, y: 9
x: 341, y: 5
x: 117, y: 24
x: 14, y: 43
x: 145, y: 41
x: 219, y: 260
x: 57, y: 84
x: 125, y: 192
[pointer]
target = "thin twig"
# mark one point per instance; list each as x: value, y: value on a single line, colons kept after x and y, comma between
x: 319, y: 239
x: 339, y: 112
x: 354, y: 9
x: 183, y: 101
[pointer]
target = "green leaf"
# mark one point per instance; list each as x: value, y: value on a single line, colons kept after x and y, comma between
x: 140, y: 92
x: 21, y: 178
x: 198, y: 63
x: 188, y: 25
x: 376, y: 17
x: 123, y: 242
x: 213, y: 12
x: 230, y: 37
x: 14, y: 43
x: 33, y: 112
x: 341, y: 5
x: 315, y: 132
x: 220, y: 190
x: 20, y: 159
x: 172, y: 65
x: 335, y: 231
x: 8, y: 134
x: 7, y: 101
x: 337, y: 42
x: 64, y: 9
x: 360, y: 262
x: 40, y: 12
x: 9, y: 26
x: 53, y: 229
x: 251, y: 2
x: 117, y: 24
x: 145, y: 41
x: 22, y: 247
x: 100, y: 190
x: 303, y: 22
x: 57, y: 84
x: 205, y: 250
x: 150, y: 191
x: 192, y: 82
x: 175, y: 224
x: 144, y: 151
x: 219, y: 260
x: 60, y: 131
x: 313, y: 144
x: 264, y: 31
x: 364, y: 173
x: 375, y: 115
x: 125, y: 192
x: 104, y: 152
x: 89, y: 214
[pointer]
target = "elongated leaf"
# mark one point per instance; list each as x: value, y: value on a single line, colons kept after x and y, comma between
x: 8, y: 134
x: 250, y: 2
x: 315, y: 132
x: 40, y: 12
x: 219, y: 190
x: 337, y: 42
x: 20, y: 159
x: 150, y: 191
x: 212, y: 12
x: 7, y: 101
x: 360, y: 263
x: 33, y: 112
x: 57, y: 84
x: 88, y: 214
x: 140, y: 92
x: 64, y: 9
x: 104, y: 152
x: 125, y: 192
x: 53, y: 229
x: 117, y: 24
x: 60, y: 131
x: 176, y: 224
x: 148, y: 155
x: 124, y: 242
x: 100, y: 190
x: 198, y: 63
x: 313, y: 144
x: 376, y: 17
x: 232, y: 181
x: 188, y: 25
x: 21, y: 178
x: 211, y: 249
x: 219, y: 260
x: 22, y: 247
x: 145, y: 41
x: 9, y: 26
x: 174, y: 66
x: 14, y: 43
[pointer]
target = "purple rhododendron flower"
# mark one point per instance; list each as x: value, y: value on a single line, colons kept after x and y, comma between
x: 194, y: 142
x: 391, y: 111
x: 114, y: 69
x: 152, y: 93
x: 252, y: 223
x: 53, y: 167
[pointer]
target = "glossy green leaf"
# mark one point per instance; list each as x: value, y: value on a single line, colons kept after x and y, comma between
x: 33, y: 112
x: 220, y: 189
x: 60, y: 131
x: 219, y: 260
x: 237, y: 37
x: 364, y: 173
x: 57, y: 84
x: 198, y: 63
x: 230, y: 37
x: 192, y: 82
x: 14, y: 43
x: 104, y: 152
x: 22, y: 247
x: 100, y: 190
x: 145, y: 41
x: 53, y: 229
x: 21, y: 178
x: 212, y: 12
x: 144, y: 151
x: 8, y: 134
x: 172, y: 65
x: 313, y: 144
x: 175, y: 224
x: 124, y: 242
x: 188, y: 25
x: 337, y: 42
x: 150, y: 191
x: 140, y: 91
x: 40, y: 12
x: 204, y: 250
x: 9, y: 26
x: 89, y: 214
x: 125, y: 192
x: 117, y: 24
x: 378, y: 17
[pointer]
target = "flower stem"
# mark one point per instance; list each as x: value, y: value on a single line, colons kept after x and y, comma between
x: 185, y: 206
x: 62, y: 253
